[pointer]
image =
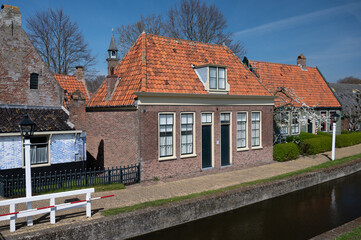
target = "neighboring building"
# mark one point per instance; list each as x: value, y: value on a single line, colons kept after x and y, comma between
x: 301, y: 87
x: 350, y: 98
x: 179, y: 107
x: 27, y: 86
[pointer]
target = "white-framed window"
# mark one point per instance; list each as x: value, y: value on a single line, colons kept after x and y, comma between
x: 295, y: 125
x: 187, y: 133
x: 324, y: 121
x: 331, y: 120
x: 242, y: 129
x: 206, y: 118
x: 217, y: 78
x: 256, y: 129
x: 39, y: 150
x: 166, y: 135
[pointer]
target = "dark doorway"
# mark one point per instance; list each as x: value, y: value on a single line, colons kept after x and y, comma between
x: 309, y: 126
x: 225, y: 145
x: 206, y: 146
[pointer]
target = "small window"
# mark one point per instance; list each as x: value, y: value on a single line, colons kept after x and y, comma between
x: 39, y: 150
x: 225, y: 118
x: 242, y: 130
x: 323, y: 121
x: 34, y: 79
x: 256, y: 129
x: 331, y: 120
x: 166, y: 135
x: 217, y: 78
x: 187, y: 133
x: 206, y: 118
x: 295, y: 126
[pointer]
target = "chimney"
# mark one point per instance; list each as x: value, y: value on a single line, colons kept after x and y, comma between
x: 301, y: 61
x: 79, y: 74
x: 10, y: 16
x: 111, y: 84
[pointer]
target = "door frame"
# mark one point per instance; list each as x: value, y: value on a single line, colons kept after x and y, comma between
x: 212, y: 139
x: 230, y: 138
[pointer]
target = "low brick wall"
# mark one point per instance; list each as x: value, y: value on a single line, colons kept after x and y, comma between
x: 147, y: 220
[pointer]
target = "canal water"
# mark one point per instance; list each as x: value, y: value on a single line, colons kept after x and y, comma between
x: 298, y: 215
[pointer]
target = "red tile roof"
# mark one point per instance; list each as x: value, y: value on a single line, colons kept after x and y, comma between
x: 162, y: 64
x: 70, y: 83
x: 307, y: 84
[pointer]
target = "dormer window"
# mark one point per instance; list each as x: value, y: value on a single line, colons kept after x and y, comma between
x: 34, y: 79
x: 217, y: 78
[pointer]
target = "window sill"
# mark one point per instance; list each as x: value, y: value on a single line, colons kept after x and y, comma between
x: 208, y: 168
x: 216, y: 91
x: 242, y: 149
x: 188, y: 156
x: 39, y: 165
x: 167, y: 158
x: 256, y: 148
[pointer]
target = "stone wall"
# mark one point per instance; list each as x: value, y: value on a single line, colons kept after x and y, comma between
x: 140, y: 222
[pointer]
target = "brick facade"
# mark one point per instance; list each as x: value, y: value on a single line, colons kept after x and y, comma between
x: 152, y: 167
x: 112, y: 138
x: 18, y: 59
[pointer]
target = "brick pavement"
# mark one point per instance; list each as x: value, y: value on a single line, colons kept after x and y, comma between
x: 167, y: 188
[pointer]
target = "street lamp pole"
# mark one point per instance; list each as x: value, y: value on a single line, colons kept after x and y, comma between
x: 27, y: 128
x: 334, y: 118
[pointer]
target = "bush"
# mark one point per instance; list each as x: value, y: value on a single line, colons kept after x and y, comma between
x: 316, y: 145
x: 285, y: 151
x: 324, y: 134
x: 345, y: 140
x: 293, y: 139
x: 345, y: 132
x: 304, y: 135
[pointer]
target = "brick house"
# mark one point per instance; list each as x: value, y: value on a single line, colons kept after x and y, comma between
x: 179, y: 107
x: 350, y: 98
x: 307, y: 87
x: 27, y: 86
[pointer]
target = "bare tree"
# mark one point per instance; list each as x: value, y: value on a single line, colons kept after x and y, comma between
x: 93, y: 82
x: 352, y: 110
x: 129, y: 33
x: 59, y: 41
x: 350, y: 80
x: 197, y: 21
x: 191, y: 20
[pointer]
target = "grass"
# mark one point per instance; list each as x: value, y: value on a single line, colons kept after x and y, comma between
x: 162, y: 202
x: 97, y: 188
x: 354, y: 234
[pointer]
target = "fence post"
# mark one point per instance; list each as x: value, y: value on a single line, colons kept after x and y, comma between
x: 88, y: 205
x: 110, y: 175
x: 52, y: 211
x: 12, y: 218
x: 138, y: 180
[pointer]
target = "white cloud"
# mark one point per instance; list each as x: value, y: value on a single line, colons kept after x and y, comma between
x: 298, y: 20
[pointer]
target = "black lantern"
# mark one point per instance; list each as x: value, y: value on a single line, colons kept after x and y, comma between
x: 335, y: 117
x: 27, y: 127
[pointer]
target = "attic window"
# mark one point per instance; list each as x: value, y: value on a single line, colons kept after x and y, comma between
x: 34, y: 80
x: 217, y: 78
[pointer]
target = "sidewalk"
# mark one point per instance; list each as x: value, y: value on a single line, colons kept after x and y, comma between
x: 160, y: 190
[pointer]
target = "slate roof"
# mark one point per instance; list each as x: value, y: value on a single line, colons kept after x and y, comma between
x: 345, y: 93
x: 70, y: 83
x: 46, y: 118
x: 164, y: 65
x: 307, y: 84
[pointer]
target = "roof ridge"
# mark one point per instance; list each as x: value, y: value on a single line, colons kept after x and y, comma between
x: 144, y: 63
x: 280, y: 63
x: 185, y: 40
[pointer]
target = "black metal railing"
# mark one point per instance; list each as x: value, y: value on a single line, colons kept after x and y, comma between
x: 14, y: 185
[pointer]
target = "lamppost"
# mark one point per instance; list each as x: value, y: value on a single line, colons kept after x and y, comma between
x: 334, y: 118
x: 27, y: 128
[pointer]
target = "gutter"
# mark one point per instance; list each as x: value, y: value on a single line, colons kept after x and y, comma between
x: 42, y: 133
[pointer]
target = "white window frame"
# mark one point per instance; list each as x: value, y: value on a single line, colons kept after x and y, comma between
x: 225, y: 89
x: 193, y: 154
x: 295, y: 126
x: 173, y: 156
x: 260, y: 130
x: 48, y: 163
x: 324, y: 121
x: 246, y: 147
x: 212, y: 135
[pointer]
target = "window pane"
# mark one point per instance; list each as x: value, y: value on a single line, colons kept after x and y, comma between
x: 255, y: 129
x: 221, y: 78
x: 241, y: 130
x: 187, y: 134
x: 166, y: 135
x: 212, y: 78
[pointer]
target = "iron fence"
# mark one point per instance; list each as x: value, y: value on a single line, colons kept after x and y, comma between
x: 11, y: 186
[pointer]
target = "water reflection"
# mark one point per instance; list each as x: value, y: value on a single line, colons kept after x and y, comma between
x: 299, y: 215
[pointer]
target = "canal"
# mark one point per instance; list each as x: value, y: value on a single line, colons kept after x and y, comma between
x: 298, y: 215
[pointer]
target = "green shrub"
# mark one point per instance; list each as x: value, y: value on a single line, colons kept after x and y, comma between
x: 305, y: 135
x: 316, y: 145
x: 285, y: 151
x: 345, y: 140
x: 324, y: 134
x: 293, y: 139
x: 345, y: 132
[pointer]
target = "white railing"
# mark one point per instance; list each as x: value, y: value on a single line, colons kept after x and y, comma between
x: 52, y: 208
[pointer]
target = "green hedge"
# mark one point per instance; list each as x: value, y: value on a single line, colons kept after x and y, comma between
x: 316, y: 145
x: 305, y: 135
x: 285, y: 151
x: 324, y: 134
x: 344, y: 132
x: 345, y: 140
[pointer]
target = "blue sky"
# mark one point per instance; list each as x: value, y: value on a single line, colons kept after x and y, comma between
x: 327, y: 32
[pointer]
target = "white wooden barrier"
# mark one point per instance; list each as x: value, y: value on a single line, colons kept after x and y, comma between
x: 52, y: 208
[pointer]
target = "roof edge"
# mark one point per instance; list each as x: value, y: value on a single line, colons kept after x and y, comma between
x: 338, y: 100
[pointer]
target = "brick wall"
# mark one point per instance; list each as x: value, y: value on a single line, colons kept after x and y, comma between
x: 112, y: 138
x: 152, y: 167
x: 18, y: 59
